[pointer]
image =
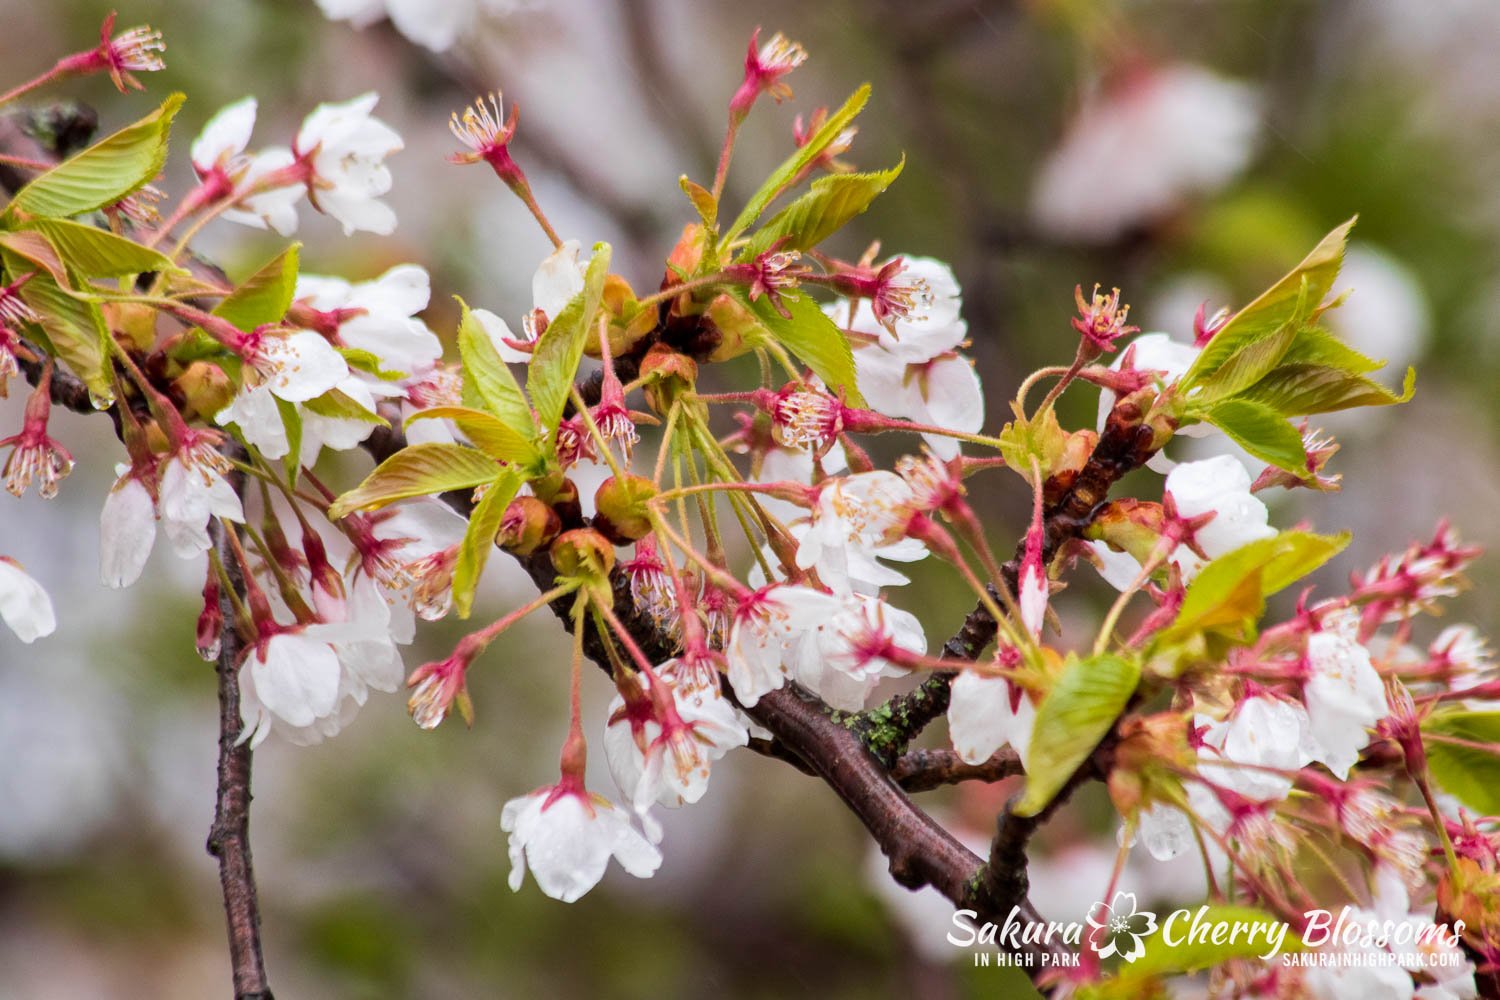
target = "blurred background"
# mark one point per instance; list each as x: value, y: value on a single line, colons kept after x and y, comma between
x: 1184, y: 150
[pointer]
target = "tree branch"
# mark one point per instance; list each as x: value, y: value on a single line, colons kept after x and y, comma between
x: 924, y: 770
x: 229, y: 838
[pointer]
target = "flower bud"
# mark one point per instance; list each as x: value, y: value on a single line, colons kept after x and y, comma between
x: 586, y: 555
x: 204, y: 389
x: 528, y: 525
x: 665, y: 374
x: 210, y: 619
x: 133, y: 324
x: 621, y: 505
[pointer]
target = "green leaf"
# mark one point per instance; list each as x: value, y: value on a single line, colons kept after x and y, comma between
x: 1470, y: 774
x: 1194, y: 953
x: 1292, y: 300
x: 1246, y: 365
x: 266, y: 295
x: 417, y: 470
x: 814, y: 338
x: 821, y: 212
x: 785, y: 174
x: 1229, y: 593
x: 369, y: 362
x: 35, y: 249
x: 479, y: 539
x: 102, y: 174
x: 702, y: 199
x: 1041, y: 438
x: 291, y: 419
x: 491, y: 435
x: 96, y: 252
x: 1082, y: 706
x: 554, y: 361
x: 1316, y: 346
x: 1302, y: 390
x: 75, y: 330
x: 1262, y: 432
x: 490, y: 378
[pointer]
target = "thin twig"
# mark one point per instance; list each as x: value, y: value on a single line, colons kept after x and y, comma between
x: 229, y: 838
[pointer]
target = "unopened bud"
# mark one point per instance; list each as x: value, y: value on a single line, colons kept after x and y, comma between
x: 210, y: 619
x: 528, y: 525
x: 621, y: 503
x: 586, y: 555
x: 133, y: 324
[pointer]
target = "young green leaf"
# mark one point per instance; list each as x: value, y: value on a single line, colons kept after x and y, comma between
x: 95, y: 252
x: 1082, y: 706
x: 291, y: 420
x: 338, y: 405
x: 1316, y: 346
x: 1229, y: 593
x: 821, y: 212
x: 489, y: 433
x: 1262, y: 432
x: 1040, y: 438
x: 418, y: 470
x: 784, y: 175
x: 102, y: 174
x: 815, y: 339
x: 489, y: 378
x: 266, y: 295
x: 702, y: 199
x: 554, y: 362
x: 479, y: 539
x: 1302, y: 390
x: 75, y: 330
x: 1291, y: 301
x: 1469, y: 773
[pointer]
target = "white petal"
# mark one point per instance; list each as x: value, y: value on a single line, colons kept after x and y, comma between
x: 127, y: 530
x: 224, y: 135
x: 24, y: 604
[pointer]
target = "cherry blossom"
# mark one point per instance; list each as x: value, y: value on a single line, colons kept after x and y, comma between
x: 24, y: 604
x: 1344, y: 694
x: 859, y: 519
x: 1269, y: 737
x: 987, y: 713
x: 566, y: 835
x: 768, y: 629
x: 1140, y: 146
x: 345, y: 148
x: 127, y: 528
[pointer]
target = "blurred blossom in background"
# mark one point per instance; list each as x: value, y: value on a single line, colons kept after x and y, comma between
x: 1187, y: 153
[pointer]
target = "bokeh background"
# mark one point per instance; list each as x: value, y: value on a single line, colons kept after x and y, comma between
x: 1185, y: 151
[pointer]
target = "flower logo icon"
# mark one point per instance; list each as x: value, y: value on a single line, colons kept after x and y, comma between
x: 1117, y: 927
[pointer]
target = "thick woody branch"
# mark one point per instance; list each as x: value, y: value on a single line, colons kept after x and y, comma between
x: 229, y: 838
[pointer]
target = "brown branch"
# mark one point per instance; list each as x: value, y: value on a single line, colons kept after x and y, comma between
x: 924, y: 770
x: 229, y: 838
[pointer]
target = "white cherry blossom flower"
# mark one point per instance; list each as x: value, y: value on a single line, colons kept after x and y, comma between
x: 1343, y: 692
x: 672, y: 770
x: 1143, y: 146
x: 1267, y: 735
x: 274, y: 208
x: 844, y: 657
x: 220, y: 147
x: 985, y: 714
x: 346, y: 148
x: 1169, y: 360
x: 858, y: 520
x: 291, y: 677
x: 567, y: 836
x: 24, y: 604
x: 379, y: 315
x: 942, y: 391
x: 557, y: 280
x: 127, y: 529
x: 1220, y: 485
x: 192, y: 491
